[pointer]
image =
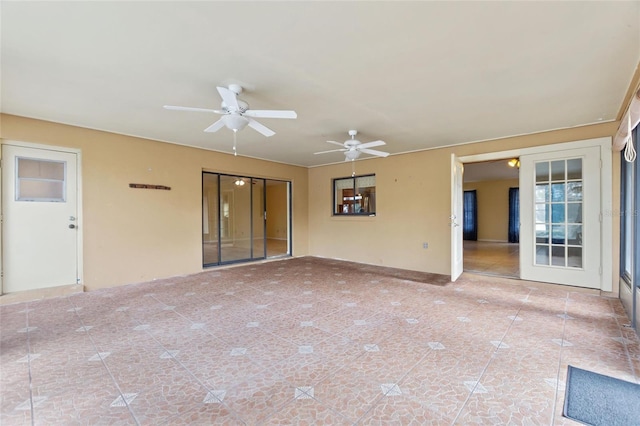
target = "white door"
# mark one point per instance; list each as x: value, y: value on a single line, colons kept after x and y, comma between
x: 456, y: 217
x: 560, y: 229
x: 40, y: 226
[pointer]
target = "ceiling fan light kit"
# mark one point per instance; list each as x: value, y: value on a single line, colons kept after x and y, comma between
x: 236, y: 113
x: 352, y: 148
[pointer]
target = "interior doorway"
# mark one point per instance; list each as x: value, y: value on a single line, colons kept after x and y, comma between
x: 563, y: 188
x: 244, y: 218
x: 489, y: 246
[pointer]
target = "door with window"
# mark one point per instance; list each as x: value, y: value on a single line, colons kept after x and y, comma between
x: 560, y: 230
x: 40, y: 224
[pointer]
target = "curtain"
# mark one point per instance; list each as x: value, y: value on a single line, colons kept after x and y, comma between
x: 514, y: 215
x: 470, y: 216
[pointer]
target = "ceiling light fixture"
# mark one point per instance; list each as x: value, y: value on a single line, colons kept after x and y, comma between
x: 239, y: 182
x: 514, y: 162
x: 235, y: 122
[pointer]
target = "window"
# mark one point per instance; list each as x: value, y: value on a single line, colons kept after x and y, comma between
x: 40, y: 180
x: 354, y: 195
x: 629, y: 217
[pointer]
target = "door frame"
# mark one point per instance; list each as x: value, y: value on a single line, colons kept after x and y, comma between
x: 606, y: 191
x: 79, y: 217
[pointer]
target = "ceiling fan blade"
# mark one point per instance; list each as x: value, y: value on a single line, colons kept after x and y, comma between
x: 372, y: 144
x: 229, y: 97
x: 373, y: 152
x: 331, y: 150
x: 181, y: 108
x: 260, y: 128
x: 270, y: 113
x: 336, y: 143
x: 215, y: 126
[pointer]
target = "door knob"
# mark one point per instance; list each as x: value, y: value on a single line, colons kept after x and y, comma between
x: 71, y: 226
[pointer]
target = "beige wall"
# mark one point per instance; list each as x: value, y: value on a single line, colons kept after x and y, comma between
x: 493, y: 208
x: 133, y: 235
x: 414, y: 203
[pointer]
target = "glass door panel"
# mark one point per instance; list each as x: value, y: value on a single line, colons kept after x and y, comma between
x: 258, y: 212
x: 210, y: 249
x: 235, y: 218
x: 564, y: 184
x: 277, y: 223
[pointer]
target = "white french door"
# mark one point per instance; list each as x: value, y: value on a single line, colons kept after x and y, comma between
x: 40, y: 224
x: 457, y: 169
x: 560, y: 229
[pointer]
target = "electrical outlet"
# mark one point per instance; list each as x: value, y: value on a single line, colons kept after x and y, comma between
x: 425, y: 245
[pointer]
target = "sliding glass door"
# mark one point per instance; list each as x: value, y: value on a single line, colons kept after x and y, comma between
x: 234, y: 218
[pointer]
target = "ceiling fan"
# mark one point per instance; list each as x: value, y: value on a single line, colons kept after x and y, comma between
x: 353, y: 147
x: 236, y: 114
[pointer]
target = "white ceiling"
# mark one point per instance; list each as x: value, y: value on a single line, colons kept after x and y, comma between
x: 416, y: 74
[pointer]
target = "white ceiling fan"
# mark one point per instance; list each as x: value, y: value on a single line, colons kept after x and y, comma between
x: 236, y: 114
x: 353, y: 147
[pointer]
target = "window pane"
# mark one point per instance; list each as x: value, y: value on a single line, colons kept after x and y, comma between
x: 542, y: 172
x: 542, y: 255
x: 542, y: 193
x: 558, y: 234
x: 40, y: 180
x: 366, y: 191
x: 40, y: 169
x: 574, y: 235
x: 557, y: 256
x: 574, y: 259
x: 542, y: 213
x: 574, y: 191
x: 574, y: 168
x: 557, y: 213
x: 542, y: 233
x: 557, y: 170
x: 574, y: 212
x: 40, y: 190
x: 557, y: 192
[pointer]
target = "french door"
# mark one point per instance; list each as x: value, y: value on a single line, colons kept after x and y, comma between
x: 560, y: 205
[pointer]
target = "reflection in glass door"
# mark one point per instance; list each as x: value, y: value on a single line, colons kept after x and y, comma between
x: 210, y: 223
x: 236, y: 212
x: 258, y: 214
x: 234, y: 218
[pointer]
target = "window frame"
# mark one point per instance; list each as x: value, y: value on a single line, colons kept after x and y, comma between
x: 335, y: 204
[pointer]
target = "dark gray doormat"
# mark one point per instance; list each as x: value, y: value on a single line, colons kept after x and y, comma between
x: 595, y: 399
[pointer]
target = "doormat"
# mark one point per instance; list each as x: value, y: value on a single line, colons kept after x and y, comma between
x: 595, y: 399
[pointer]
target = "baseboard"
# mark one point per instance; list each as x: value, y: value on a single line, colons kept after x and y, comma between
x: 492, y: 241
x: 39, y: 294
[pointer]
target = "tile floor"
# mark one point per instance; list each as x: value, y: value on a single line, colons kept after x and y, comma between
x: 492, y: 258
x: 308, y: 341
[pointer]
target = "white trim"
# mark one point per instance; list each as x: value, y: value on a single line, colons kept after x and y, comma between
x: 79, y: 217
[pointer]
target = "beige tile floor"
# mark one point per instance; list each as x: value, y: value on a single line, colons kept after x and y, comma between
x: 308, y: 341
x: 492, y: 258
